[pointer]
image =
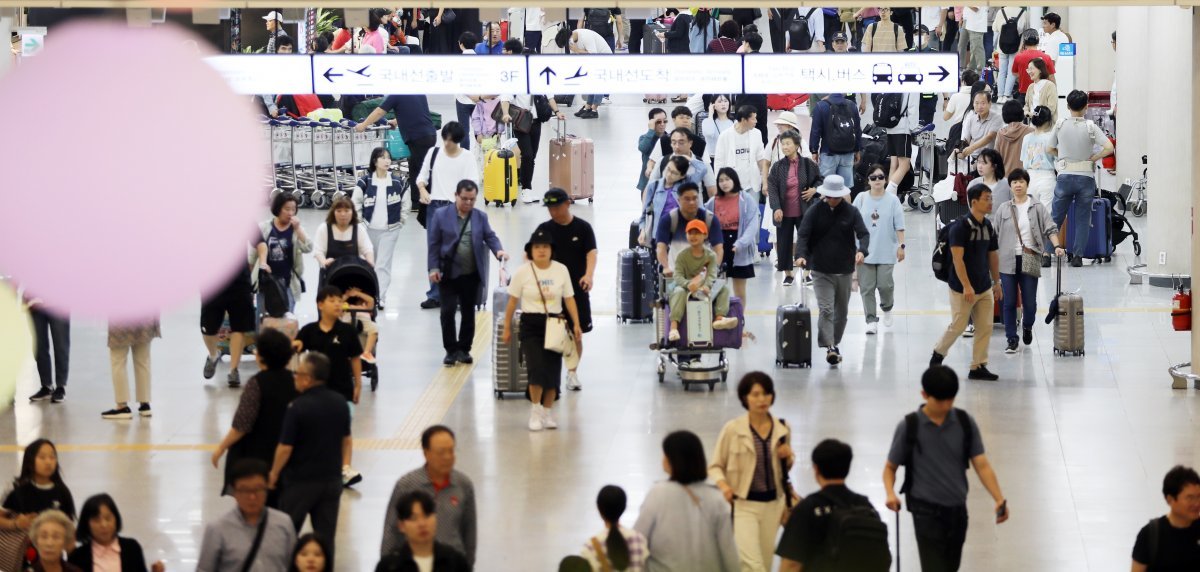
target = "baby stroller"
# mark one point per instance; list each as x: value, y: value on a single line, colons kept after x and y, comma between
x: 352, y: 273
x: 1121, y: 227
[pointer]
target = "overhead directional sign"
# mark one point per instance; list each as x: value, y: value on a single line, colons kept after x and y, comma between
x: 265, y: 73
x: 373, y: 73
x: 902, y: 72
x: 619, y: 73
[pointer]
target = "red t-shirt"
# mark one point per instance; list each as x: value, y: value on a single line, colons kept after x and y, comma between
x: 340, y: 38
x: 1021, y: 62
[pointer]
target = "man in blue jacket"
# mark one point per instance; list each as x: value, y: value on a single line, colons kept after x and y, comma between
x: 459, y: 239
x: 836, y: 136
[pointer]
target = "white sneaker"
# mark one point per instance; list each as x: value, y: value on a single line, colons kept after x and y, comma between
x: 548, y: 421
x: 573, y: 381
x: 887, y: 318
x: 350, y: 477
x: 970, y: 333
x: 726, y: 323
x: 528, y: 197
x: 535, y: 418
x: 872, y: 328
x: 673, y: 336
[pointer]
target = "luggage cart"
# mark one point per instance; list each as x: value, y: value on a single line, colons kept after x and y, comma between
x: 921, y: 196
x: 695, y: 365
x: 278, y: 135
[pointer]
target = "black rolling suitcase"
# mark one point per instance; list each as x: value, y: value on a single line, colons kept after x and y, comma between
x: 636, y: 285
x: 793, y: 333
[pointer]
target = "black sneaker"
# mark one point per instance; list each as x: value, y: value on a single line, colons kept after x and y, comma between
x: 60, y: 395
x: 1027, y: 336
x: 1012, y: 346
x: 41, y: 395
x: 1076, y: 262
x: 789, y: 280
x: 590, y: 114
x: 981, y: 373
x: 122, y: 413
x: 832, y: 356
x: 450, y: 359
x: 144, y: 410
x: 582, y: 111
x: 210, y: 366
x: 464, y: 357
x: 936, y: 359
x: 430, y: 304
x: 234, y: 379
x: 808, y: 281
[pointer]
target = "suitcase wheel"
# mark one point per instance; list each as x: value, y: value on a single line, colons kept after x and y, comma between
x: 590, y: 200
x: 710, y: 386
x: 375, y: 382
x: 499, y: 395
x: 513, y: 203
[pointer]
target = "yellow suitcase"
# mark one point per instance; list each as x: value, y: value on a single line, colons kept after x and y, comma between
x: 500, y: 177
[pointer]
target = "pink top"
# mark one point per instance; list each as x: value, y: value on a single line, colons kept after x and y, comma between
x: 870, y: 12
x: 375, y: 40
x: 726, y: 208
x: 791, y: 195
x: 106, y: 558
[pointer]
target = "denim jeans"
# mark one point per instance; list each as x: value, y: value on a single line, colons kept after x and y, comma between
x: 1027, y: 286
x: 1005, y: 79
x: 838, y: 165
x: 595, y: 99
x: 1080, y: 190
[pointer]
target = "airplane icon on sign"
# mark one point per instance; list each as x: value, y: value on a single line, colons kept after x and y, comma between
x: 361, y: 72
x: 578, y: 73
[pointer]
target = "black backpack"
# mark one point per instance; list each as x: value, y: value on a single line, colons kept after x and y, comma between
x: 910, y: 428
x: 840, y: 130
x: 597, y: 21
x: 1010, y: 37
x: 800, y: 33
x: 943, y: 262
x: 274, y: 297
x: 857, y: 539
x: 890, y: 108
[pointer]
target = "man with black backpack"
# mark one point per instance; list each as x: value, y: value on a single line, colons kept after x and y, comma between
x: 805, y: 31
x: 836, y: 136
x: 1007, y: 27
x: 601, y: 21
x: 1172, y: 542
x: 834, y: 529
x: 937, y: 444
x: 898, y: 113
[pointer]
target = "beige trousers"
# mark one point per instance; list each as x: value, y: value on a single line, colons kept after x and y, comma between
x: 141, y: 372
x: 755, y: 530
x: 980, y: 313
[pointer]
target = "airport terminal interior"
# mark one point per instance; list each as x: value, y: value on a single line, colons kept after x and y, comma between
x: 1079, y: 443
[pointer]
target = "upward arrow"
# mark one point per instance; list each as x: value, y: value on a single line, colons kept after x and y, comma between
x: 547, y: 72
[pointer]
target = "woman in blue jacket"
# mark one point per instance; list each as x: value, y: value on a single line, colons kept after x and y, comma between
x: 738, y: 212
x: 384, y: 218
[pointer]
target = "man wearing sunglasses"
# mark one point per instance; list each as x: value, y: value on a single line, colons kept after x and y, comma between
x: 655, y: 128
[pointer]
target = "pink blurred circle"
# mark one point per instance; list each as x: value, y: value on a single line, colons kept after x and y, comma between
x: 133, y: 174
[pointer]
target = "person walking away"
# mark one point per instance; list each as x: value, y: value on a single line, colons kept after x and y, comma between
x: 542, y: 297
x: 437, y: 182
x: 827, y: 237
x: 459, y: 241
x: 974, y: 281
x: 421, y: 551
x: 1073, y: 141
x: 936, y: 444
x: 600, y: 21
x: 1008, y: 45
x: 791, y: 186
x: 125, y: 340
x: 808, y: 539
x: 1010, y: 138
x: 970, y: 37
x: 686, y: 520
x: 1025, y: 230
x: 338, y: 341
x: 1172, y: 542
x: 737, y: 209
x: 742, y: 149
x: 750, y: 466
x: 53, y: 335
x: 1042, y: 91
x: 836, y: 137
x: 884, y: 217
x: 575, y: 248
x: 452, y: 491
x: 314, y: 440
x: 229, y: 542
x: 383, y: 201
x: 527, y: 24
x: 1039, y: 162
x: 584, y: 41
x: 616, y: 547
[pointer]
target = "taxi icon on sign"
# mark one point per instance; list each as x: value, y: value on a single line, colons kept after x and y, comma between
x: 881, y: 73
x: 912, y: 74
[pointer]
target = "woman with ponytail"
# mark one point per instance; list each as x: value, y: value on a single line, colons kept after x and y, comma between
x: 617, y: 548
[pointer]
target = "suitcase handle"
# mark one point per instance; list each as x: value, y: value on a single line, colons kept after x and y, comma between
x: 560, y: 126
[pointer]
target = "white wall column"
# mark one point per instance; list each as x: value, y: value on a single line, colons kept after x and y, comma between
x: 1169, y: 136
x: 1091, y: 29
x: 1133, y: 101
x: 1194, y: 173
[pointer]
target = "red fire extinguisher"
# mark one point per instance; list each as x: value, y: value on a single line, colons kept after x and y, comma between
x: 1181, y: 310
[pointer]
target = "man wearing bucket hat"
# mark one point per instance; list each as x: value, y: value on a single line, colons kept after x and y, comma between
x: 575, y: 248
x: 828, y: 236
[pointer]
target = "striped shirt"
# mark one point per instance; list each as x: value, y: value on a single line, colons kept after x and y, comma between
x: 455, y: 506
x: 764, y: 478
x: 633, y: 539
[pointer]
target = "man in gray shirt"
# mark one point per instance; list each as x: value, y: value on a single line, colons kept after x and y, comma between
x: 936, y: 444
x: 1074, y: 141
x: 452, y: 491
x: 229, y: 541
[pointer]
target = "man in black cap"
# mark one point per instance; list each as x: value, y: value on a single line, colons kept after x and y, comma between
x: 575, y: 248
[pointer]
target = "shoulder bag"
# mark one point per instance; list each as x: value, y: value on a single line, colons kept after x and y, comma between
x: 1031, y: 260
x: 601, y: 557
x: 522, y: 120
x: 447, y: 262
x: 262, y: 528
x: 558, y: 338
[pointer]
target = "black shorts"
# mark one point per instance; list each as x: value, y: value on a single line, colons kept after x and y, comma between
x: 583, y: 305
x: 237, y: 300
x: 899, y: 145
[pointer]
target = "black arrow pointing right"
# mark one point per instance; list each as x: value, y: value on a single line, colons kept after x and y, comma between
x: 329, y: 75
x: 547, y: 72
x: 943, y: 73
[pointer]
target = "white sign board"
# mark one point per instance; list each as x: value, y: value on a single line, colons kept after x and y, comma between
x: 373, y: 73
x: 903, y: 72
x: 620, y: 73
x: 265, y: 73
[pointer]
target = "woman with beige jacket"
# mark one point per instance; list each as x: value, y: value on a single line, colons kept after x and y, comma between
x: 749, y: 465
x: 1042, y: 91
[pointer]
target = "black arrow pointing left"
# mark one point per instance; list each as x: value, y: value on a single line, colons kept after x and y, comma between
x: 329, y: 75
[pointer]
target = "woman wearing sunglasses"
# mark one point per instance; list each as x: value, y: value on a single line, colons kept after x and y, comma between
x: 885, y: 221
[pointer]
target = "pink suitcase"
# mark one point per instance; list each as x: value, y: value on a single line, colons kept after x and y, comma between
x: 572, y: 164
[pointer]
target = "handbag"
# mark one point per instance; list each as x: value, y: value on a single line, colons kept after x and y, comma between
x: 558, y: 338
x: 522, y: 120
x: 1031, y: 262
x: 446, y: 264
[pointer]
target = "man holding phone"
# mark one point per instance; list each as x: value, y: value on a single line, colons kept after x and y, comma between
x: 936, y: 444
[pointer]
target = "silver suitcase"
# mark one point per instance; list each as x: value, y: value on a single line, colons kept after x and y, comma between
x: 1068, y: 321
x: 508, y: 367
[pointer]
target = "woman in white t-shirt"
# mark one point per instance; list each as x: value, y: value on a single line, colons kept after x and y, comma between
x: 382, y: 201
x: 1037, y: 157
x: 542, y: 288
x: 717, y: 122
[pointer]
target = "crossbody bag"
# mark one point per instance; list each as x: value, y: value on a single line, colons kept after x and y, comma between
x: 258, y: 537
x: 558, y: 338
x: 1031, y: 262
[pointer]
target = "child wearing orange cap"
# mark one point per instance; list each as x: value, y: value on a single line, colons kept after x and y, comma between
x: 695, y: 272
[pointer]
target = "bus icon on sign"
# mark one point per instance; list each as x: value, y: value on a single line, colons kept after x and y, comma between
x: 881, y: 73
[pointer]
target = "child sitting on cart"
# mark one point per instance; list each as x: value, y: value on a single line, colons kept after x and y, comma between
x: 359, y: 305
x: 695, y: 273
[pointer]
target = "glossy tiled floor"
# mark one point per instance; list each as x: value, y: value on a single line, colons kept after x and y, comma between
x: 1080, y: 444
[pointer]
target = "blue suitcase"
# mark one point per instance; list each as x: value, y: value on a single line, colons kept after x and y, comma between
x: 1099, y: 245
x: 764, y: 237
